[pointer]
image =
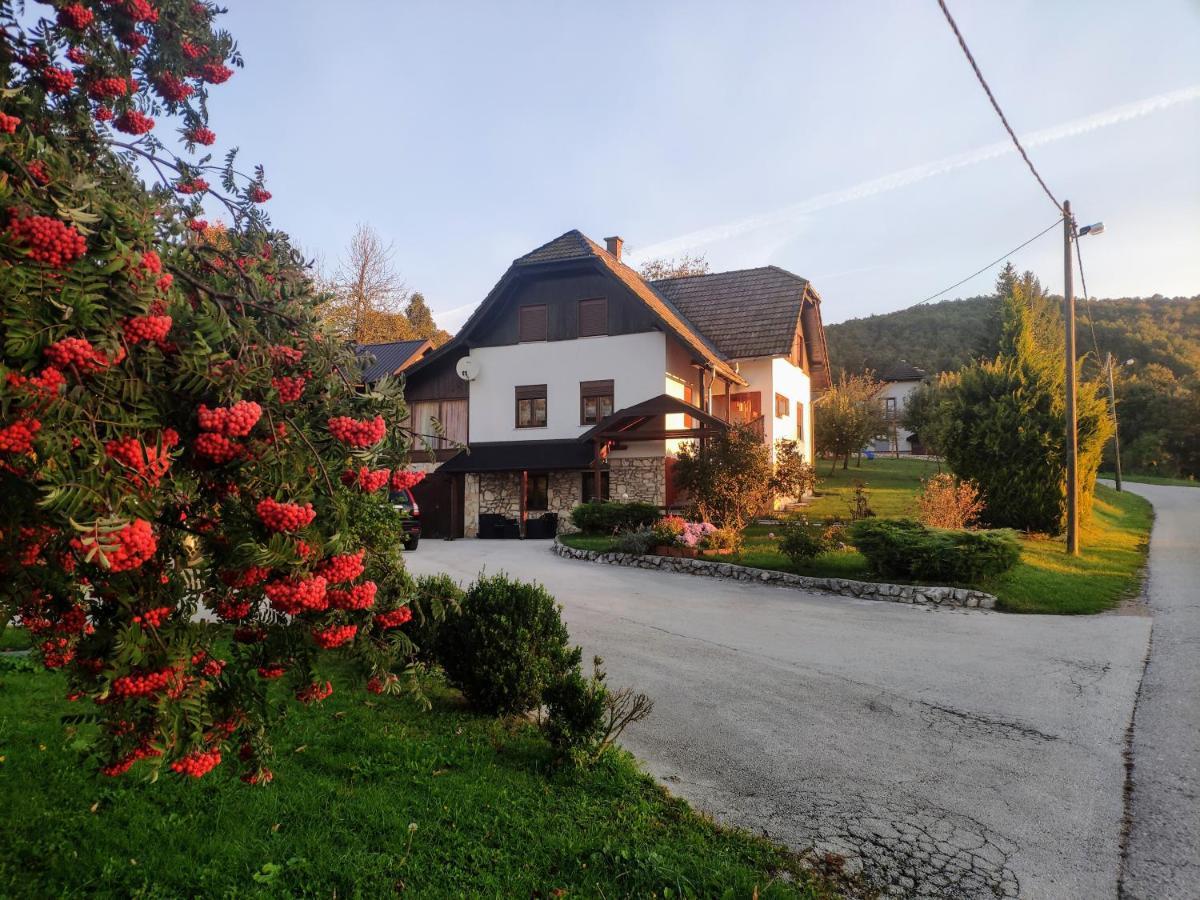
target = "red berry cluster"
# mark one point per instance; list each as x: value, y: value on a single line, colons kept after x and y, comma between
x: 133, y: 122
x: 314, y: 693
x: 148, y: 329
x: 49, y: 240
x: 289, y: 387
x: 18, y: 437
x: 193, y: 51
x: 75, y: 16
x: 191, y: 186
x: 216, y: 449
x: 403, y: 479
x: 357, y: 433
x: 38, y: 171
x: 214, y: 73
x: 172, y: 88
x: 344, y: 567
x: 366, y: 480
x: 8, y: 124
x: 46, y: 385
x: 103, y: 114
x: 231, y: 421
x: 143, y: 684
x: 136, y: 543
x: 57, y: 81
x: 377, y: 685
x: 198, y: 225
x: 286, y: 356
x: 198, y: 763
x: 105, y: 88
x: 154, y: 617
x: 125, y: 763
x: 361, y: 596
x: 334, y: 635
x: 393, y: 618
x: 138, y: 10
x: 79, y: 353
x: 272, y: 671
x: 292, y: 596
x: 198, y: 134
x: 284, y: 516
x: 150, y: 463
x: 247, y: 577
x: 231, y: 609
x: 57, y: 653
x: 259, y: 776
x: 247, y: 634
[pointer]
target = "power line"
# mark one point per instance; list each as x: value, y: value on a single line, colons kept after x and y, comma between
x: 994, y: 262
x: 996, y: 106
x: 1087, y: 301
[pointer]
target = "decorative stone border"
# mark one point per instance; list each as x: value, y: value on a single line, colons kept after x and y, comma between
x: 867, y: 590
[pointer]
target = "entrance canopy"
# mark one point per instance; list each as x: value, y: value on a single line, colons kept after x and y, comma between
x: 637, y: 422
x: 516, y: 456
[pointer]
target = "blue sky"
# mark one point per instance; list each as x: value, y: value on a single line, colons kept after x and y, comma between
x: 468, y: 133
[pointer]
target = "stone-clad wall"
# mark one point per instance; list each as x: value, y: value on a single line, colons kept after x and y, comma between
x: 896, y: 593
x: 500, y: 493
x: 638, y: 478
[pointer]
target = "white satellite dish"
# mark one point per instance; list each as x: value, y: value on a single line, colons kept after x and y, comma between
x: 467, y: 369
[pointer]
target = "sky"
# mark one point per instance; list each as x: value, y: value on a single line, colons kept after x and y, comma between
x: 849, y: 143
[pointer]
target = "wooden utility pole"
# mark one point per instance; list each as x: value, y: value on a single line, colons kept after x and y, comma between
x: 1112, y: 403
x: 1069, y: 371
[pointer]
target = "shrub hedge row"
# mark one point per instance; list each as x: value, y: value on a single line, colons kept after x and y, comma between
x: 908, y: 549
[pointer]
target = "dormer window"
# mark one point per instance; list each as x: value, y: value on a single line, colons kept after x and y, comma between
x: 593, y: 317
x: 533, y: 323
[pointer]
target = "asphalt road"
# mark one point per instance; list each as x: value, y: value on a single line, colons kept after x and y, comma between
x: 948, y: 753
x: 1163, y: 857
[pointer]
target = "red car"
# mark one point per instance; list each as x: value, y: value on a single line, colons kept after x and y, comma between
x: 404, y: 501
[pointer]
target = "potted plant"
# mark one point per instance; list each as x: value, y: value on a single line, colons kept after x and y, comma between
x: 667, y: 531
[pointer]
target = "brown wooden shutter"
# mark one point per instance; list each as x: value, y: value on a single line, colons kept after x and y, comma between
x: 596, y: 388
x: 531, y: 391
x: 533, y: 323
x: 593, y: 317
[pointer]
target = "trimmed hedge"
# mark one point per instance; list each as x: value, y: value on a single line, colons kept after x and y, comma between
x: 907, y: 549
x: 609, y: 517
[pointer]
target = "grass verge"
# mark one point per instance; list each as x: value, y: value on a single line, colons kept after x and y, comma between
x: 489, y: 817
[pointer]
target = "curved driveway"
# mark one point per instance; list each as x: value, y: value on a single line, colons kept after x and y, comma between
x: 950, y: 753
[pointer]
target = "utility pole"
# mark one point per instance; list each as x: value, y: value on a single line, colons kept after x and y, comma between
x: 1069, y: 371
x: 1112, y: 402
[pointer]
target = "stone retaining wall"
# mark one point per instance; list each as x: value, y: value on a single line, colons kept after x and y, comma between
x: 895, y: 593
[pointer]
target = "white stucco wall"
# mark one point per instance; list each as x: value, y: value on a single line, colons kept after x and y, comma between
x: 636, y: 363
x: 770, y: 375
x: 899, y: 391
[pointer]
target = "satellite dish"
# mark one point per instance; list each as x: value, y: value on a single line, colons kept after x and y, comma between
x: 467, y: 369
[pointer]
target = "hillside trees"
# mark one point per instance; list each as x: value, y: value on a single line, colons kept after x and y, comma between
x: 177, y: 432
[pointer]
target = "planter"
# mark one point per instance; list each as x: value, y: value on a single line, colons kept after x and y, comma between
x: 677, y: 552
x: 664, y: 550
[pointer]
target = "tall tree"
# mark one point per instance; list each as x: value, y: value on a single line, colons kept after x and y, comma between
x: 420, y: 319
x: 369, y: 296
x: 673, y: 267
x: 847, y: 417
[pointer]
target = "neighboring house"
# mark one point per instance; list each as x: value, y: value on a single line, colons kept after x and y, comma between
x: 575, y: 378
x: 391, y: 358
x: 899, y: 381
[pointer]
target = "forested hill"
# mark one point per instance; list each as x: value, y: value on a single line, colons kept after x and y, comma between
x: 944, y: 336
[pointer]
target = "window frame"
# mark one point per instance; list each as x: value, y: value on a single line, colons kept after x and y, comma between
x: 531, y: 393
x: 784, y: 404
x: 596, y: 390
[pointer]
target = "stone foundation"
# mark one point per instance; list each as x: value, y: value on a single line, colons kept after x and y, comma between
x: 641, y: 478
x: 951, y: 597
x: 500, y: 493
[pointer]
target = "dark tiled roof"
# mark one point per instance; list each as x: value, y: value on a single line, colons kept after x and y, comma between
x: 751, y: 312
x: 902, y: 371
x: 572, y: 245
x: 662, y: 405
x: 513, y: 456
x: 387, y: 358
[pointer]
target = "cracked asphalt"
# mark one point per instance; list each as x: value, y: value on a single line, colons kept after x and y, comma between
x: 1163, y: 856
x: 956, y: 754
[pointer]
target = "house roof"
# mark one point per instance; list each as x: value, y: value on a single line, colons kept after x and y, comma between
x: 902, y: 371
x: 388, y: 359
x: 749, y: 312
x: 513, y: 456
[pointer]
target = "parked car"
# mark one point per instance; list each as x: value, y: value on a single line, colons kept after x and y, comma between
x: 405, y: 502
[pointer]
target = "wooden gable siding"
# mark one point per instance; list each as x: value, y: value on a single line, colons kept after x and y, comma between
x: 436, y: 381
x: 560, y: 293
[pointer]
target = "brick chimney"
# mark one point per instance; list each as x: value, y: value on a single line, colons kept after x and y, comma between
x: 614, y: 244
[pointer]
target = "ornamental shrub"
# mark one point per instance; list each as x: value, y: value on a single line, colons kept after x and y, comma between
x: 575, y: 715
x: 434, y: 598
x: 907, y: 549
x: 639, y: 542
x: 609, y: 517
x: 947, y: 502
x: 175, y: 425
x: 799, y: 544
x: 722, y: 539
x: 505, y: 645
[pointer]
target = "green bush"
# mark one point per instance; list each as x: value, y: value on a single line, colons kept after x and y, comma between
x: 434, y: 598
x: 799, y: 544
x: 609, y: 517
x: 722, y: 539
x: 639, y: 542
x: 576, y: 715
x: 504, y: 645
x: 907, y: 549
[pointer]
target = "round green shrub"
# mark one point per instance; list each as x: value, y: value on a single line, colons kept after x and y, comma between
x: 504, y: 645
x: 609, y: 517
x: 799, y: 544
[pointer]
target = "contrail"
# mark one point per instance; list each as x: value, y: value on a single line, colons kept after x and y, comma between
x: 905, y: 177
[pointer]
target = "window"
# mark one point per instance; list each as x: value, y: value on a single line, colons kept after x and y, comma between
x: 589, y: 484
x: 593, y: 317
x: 595, y: 401
x: 746, y: 407
x: 800, y: 421
x: 451, y: 418
x: 531, y: 406
x: 533, y: 323
x: 537, y: 492
x: 690, y: 399
x: 889, y: 407
x: 783, y: 408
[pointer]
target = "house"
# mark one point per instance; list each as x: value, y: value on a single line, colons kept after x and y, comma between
x: 575, y: 378
x: 899, y: 381
x: 391, y: 358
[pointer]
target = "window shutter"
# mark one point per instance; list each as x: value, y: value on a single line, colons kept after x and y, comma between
x: 593, y: 317
x: 533, y: 324
x: 596, y: 388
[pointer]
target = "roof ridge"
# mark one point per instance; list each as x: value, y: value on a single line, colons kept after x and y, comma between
x: 776, y: 268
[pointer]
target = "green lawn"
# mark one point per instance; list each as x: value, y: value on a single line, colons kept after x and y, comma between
x: 1153, y: 479
x: 373, y: 797
x: 1046, y: 580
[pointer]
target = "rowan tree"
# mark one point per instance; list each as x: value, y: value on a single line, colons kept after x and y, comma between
x: 178, y: 435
